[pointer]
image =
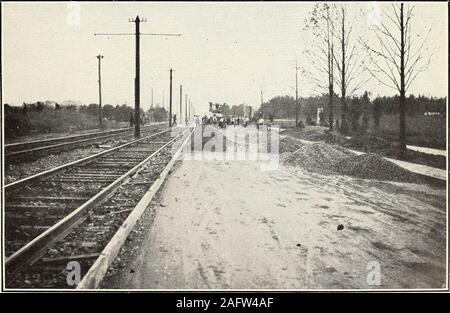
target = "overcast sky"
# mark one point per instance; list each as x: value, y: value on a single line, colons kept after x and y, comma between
x: 228, y: 52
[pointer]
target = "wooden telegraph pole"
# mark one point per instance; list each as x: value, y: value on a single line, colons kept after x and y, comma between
x: 100, y: 120
x: 137, y: 34
x: 185, y: 109
x: 181, y: 103
x: 137, y: 81
x: 170, y: 100
x: 297, y: 109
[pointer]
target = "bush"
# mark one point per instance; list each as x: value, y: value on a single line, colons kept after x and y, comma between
x: 16, y: 124
x: 309, y: 121
x: 45, y: 121
x: 300, y: 125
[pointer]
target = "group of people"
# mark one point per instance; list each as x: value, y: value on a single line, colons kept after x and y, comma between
x: 223, y: 122
x: 219, y: 120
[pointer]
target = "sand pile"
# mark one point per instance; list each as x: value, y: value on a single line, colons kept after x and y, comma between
x: 316, y: 157
x: 372, y: 166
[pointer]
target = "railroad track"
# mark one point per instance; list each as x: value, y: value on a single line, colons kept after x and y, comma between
x: 82, y: 202
x: 16, y: 152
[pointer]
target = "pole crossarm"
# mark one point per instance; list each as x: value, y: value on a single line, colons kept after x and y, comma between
x: 133, y: 34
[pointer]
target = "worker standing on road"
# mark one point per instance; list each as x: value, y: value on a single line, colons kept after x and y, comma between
x: 174, y: 123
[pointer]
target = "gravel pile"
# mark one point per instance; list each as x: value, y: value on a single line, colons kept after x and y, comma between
x: 288, y: 144
x: 372, y: 166
x: 332, y: 159
x: 316, y: 157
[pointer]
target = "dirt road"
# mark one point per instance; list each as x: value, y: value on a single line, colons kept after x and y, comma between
x: 227, y: 224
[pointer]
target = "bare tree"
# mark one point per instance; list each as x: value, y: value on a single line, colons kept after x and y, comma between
x: 398, y: 56
x: 349, y: 62
x: 321, y: 52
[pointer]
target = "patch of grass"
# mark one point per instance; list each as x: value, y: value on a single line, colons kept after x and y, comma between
x: 421, y: 130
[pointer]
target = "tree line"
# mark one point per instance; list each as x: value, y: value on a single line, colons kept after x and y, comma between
x: 360, y: 109
x: 389, y: 51
x: 50, y: 116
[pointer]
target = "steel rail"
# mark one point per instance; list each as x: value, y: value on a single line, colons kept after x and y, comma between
x: 67, y: 144
x: 39, y: 141
x: 70, y: 143
x: 76, y: 162
x: 98, y: 269
x: 33, y: 250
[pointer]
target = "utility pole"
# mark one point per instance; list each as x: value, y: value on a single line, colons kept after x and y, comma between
x: 163, y: 100
x: 100, y: 121
x: 185, y: 109
x: 296, y: 94
x: 170, y: 100
x: 137, y: 34
x: 151, y: 105
x: 189, y: 114
x: 137, y: 82
x: 181, y: 103
x: 262, y: 101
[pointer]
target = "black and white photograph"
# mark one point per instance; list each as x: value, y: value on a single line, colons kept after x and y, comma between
x: 224, y: 147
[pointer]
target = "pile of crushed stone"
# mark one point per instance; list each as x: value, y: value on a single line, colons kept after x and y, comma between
x: 332, y: 159
x: 372, y: 166
x: 316, y: 157
x: 288, y: 144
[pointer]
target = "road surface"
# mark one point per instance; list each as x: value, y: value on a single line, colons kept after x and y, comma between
x: 229, y: 225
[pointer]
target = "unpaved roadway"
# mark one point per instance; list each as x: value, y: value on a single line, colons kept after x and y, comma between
x: 228, y: 224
